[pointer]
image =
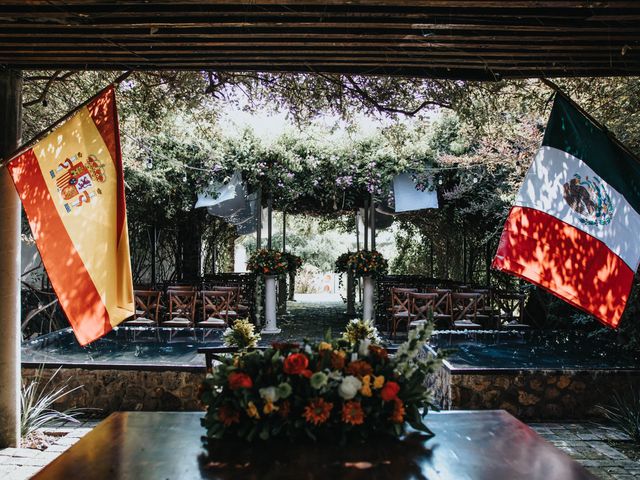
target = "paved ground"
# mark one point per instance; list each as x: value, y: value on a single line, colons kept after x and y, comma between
x: 23, y: 463
x: 587, y: 443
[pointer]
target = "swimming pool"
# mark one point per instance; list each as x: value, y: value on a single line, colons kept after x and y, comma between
x: 139, y: 347
x: 555, y: 350
x: 533, y: 375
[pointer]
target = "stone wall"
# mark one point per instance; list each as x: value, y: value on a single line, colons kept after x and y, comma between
x: 532, y: 395
x: 113, y: 389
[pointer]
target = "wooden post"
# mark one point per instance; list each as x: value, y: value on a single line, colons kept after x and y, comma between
x: 269, y: 219
x: 282, y: 281
x: 154, y: 253
x: 366, y: 224
x: 372, y: 207
x: 433, y: 272
x: 358, y: 231
x: 464, y: 258
x: 10, y: 237
x: 284, y: 232
x: 259, y: 220
x: 488, y: 263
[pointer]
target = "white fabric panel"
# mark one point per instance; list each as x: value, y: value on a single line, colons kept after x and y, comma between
x: 555, y: 174
x: 407, y: 198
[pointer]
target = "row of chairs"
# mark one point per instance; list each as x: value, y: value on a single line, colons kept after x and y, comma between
x: 183, y: 306
x: 474, y: 309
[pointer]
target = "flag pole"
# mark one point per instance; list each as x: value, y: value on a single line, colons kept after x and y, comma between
x: 554, y: 86
x: 3, y: 162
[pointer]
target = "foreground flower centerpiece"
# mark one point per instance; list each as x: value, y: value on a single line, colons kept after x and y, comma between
x: 334, y: 389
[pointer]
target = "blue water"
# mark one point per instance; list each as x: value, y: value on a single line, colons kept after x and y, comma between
x: 531, y: 350
x: 470, y: 350
x: 124, y: 346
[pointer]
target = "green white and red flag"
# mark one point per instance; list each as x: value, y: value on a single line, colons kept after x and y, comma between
x: 574, y: 228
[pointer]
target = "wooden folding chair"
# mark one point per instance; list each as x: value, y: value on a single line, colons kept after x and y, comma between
x: 421, y: 308
x: 510, y: 309
x: 465, y: 310
x: 236, y: 309
x: 399, y: 310
x: 216, y: 306
x: 442, y: 309
x: 147, y: 306
x: 484, y: 314
x: 181, y: 308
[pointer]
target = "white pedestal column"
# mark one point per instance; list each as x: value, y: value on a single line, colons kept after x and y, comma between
x: 270, y: 305
x: 351, y: 295
x: 367, y: 298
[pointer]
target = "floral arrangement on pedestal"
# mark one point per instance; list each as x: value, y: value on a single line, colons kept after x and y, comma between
x: 241, y: 334
x: 267, y: 262
x: 294, y: 262
x: 342, y: 263
x: 332, y: 390
x: 361, y: 330
x: 367, y: 263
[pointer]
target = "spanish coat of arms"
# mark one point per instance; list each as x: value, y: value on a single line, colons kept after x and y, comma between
x: 77, y: 181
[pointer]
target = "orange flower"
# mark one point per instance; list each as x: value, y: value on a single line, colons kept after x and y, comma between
x: 228, y: 415
x: 337, y: 359
x: 317, y: 411
x: 379, y: 352
x: 398, y: 411
x: 352, y: 413
x: 359, y: 368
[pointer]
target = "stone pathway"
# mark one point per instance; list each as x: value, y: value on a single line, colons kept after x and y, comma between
x: 23, y: 463
x: 587, y: 443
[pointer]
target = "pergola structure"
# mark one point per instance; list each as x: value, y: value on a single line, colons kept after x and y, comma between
x: 458, y: 39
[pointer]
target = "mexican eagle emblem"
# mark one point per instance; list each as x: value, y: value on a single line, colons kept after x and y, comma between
x: 589, y: 199
x: 77, y: 181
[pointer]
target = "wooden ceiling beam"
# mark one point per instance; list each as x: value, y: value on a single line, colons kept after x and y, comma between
x: 375, y: 51
x: 485, y: 4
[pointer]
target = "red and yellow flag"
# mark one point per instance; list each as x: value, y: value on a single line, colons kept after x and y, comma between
x: 71, y: 185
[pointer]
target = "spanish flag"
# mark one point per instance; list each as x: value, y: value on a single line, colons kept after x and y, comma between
x: 574, y: 227
x: 71, y: 185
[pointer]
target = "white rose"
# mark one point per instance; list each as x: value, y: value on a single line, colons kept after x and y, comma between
x: 335, y: 375
x: 349, y: 387
x: 269, y: 394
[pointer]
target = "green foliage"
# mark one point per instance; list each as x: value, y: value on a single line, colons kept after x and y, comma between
x: 294, y: 262
x: 267, y: 262
x: 367, y: 263
x: 37, y: 400
x: 241, y: 334
x: 358, y: 330
x: 342, y: 262
x: 624, y: 412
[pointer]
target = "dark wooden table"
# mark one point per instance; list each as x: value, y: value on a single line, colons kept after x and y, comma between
x: 490, y: 445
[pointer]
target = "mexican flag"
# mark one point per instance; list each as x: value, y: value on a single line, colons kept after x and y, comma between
x: 71, y: 185
x: 575, y: 228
